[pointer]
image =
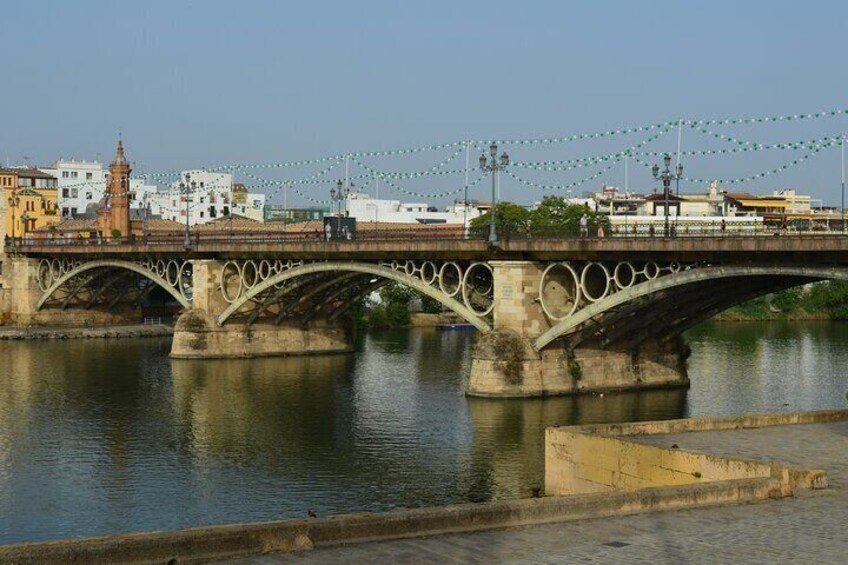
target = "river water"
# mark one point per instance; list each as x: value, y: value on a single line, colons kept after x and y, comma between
x: 102, y: 436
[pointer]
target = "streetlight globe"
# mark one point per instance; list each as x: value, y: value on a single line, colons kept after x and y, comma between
x: 483, y: 162
x: 493, y: 149
x: 504, y: 160
x: 666, y: 160
x: 679, y: 169
x: 332, y: 193
x: 655, y: 170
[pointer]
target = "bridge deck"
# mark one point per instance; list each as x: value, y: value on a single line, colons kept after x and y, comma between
x: 825, y: 249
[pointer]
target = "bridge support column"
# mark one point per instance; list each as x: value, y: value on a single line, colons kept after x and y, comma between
x: 505, y: 364
x: 197, y: 334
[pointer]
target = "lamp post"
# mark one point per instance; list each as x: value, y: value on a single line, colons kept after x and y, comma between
x: 667, y: 176
x: 24, y: 220
x: 339, y: 195
x: 14, y: 200
x: 185, y: 189
x: 492, y: 165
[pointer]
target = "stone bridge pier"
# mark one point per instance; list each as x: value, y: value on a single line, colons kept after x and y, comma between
x: 509, y: 361
x: 204, y: 331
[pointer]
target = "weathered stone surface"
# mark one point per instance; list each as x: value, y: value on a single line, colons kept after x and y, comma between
x: 198, y: 336
x: 505, y: 364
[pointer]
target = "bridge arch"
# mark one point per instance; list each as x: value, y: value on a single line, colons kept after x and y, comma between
x: 792, y: 276
x: 80, y: 269
x: 386, y: 272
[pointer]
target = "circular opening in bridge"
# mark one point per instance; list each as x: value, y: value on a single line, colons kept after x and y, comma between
x: 624, y: 275
x: 477, y: 288
x: 409, y: 268
x: 559, y: 291
x: 429, y: 272
x: 249, y: 274
x: 231, y: 284
x: 172, y: 273
x: 652, y: 271
x: 674, y: 267
x: 45, y: 277
x: 185, y: 282
x: 594, y: 281
x: 161, y: 267
x: 450, y: 278
x: 265, y: 269
x: 55, y: 269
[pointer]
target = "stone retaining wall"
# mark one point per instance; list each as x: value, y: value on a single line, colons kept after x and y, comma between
x: 608, y: 457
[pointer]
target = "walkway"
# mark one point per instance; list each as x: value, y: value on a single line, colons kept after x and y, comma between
x: 810, y: 528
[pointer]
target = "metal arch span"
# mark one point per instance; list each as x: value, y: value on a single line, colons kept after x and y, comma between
x: 704, y: 274
x: 365, y: 268
x: 115, y: 264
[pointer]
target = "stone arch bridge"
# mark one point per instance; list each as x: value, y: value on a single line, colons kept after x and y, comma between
x: 558, y: 316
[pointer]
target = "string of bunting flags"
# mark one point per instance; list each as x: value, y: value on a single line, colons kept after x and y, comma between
x: 370, y: 172
x: 568, y: 186
x: 815, y: 151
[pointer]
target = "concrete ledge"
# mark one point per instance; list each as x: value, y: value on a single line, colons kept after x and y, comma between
x: 220, y: 542
x: 609, y: 457
x: 713, y: 424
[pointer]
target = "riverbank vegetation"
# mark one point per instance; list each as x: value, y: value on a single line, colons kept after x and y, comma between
x: 393, y: 309
x: 819, y: 301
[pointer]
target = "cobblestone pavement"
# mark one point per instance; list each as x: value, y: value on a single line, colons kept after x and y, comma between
x: 810, y: 528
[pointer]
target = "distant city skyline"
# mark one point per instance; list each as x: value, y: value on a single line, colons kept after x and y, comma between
x: 194, y: 85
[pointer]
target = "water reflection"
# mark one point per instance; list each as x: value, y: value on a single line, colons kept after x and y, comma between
x: 100, y: 437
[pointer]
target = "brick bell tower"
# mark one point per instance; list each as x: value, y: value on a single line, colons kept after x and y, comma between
x: 119, y: 193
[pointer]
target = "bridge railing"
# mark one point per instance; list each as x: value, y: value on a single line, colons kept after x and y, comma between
x: 387, y: 232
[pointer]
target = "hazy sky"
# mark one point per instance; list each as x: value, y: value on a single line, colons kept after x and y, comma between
x: 194, y: 84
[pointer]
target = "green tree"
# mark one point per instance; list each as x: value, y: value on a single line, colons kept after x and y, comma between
x: 556, y: 217
x: 511, y: 221
x: 393, y: 309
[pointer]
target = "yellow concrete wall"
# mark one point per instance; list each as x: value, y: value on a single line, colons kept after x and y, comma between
x: 579, y: 463
x: 586, y: 459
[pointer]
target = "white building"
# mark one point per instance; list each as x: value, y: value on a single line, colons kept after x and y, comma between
x: 253, y: 207
x: 82, y: 183
x: 210, y: 197
x: 366, y: 209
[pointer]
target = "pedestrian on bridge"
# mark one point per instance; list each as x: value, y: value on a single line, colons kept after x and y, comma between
x: 584, y: 226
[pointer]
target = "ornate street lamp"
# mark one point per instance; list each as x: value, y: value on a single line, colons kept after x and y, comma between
x: 24, y: 221
x: 667, y: 176
x: 14, y: 200
x: 493, y: 166
x: 185, y: 188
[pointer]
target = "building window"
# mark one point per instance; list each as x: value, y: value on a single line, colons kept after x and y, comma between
x: 74, y: 174
x: 74, y: 193
x: 201, y: 213
x: 64, y: 193
x: 64, y: 174
x: 89, y: 176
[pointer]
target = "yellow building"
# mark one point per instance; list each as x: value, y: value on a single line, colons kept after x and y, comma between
x: 30, y: 200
